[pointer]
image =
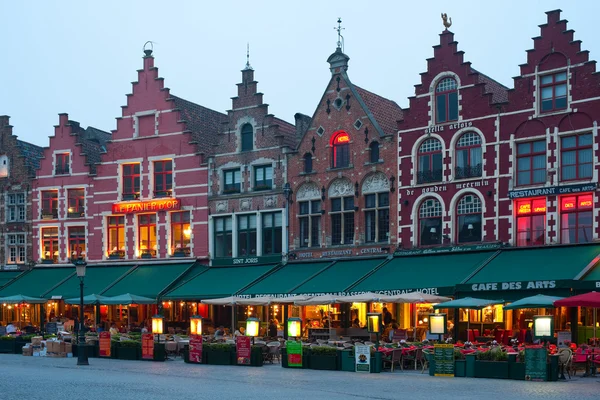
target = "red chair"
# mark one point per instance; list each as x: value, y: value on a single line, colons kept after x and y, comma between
x: 498, y: 335
x: 507, y: 336
x: 487, y: 332
x: 476, y: 333
x: 522, y: 334
x: 470, y: 336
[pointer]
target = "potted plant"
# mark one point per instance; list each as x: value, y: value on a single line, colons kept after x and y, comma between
x: 323, y: 358
x: 492, y: 363
x: 460, y: 364
x: 219, y: 353
x: 7, y: 344
x: 129, y: 350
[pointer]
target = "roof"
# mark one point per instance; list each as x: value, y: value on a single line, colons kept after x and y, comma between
x: 288, y: 131
x: 93, y: 144
x: 32, y: 155
x: 204, y: 123
x: 386, y: 112
x: 498, y: 91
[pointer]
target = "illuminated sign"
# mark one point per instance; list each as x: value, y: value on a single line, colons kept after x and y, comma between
x: 524, y: 208
x: 568, y: 205
x: 146, y: 206
x: 585, y: 203
x: 344, y: 138
x: 538, y: 206
x: 540, y: 209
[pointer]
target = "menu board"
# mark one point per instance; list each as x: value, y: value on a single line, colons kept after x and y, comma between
x: 535, y: 364
x: 104, y: 343
x: 243, y: 347
x: 562, y: 337
x: 294, y: 353
x: 147, y: 346
x: 443, y: 355
x: 195, y: 354
x: 362, y: 356
x: 51, y: 328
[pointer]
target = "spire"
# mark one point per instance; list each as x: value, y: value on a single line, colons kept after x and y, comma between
x: 339, y: 29
x: 338, y: 61
x: 248, y: 66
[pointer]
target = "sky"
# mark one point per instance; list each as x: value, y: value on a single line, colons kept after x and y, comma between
x: 80, y: 57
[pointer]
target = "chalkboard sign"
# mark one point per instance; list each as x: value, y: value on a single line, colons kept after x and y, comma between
x: 51, y: 328
x: 443, y: 355
x: 535, y: 364
x: 2, y: 330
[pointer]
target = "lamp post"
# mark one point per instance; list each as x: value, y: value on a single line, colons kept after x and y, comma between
x: 157, y: 325
x: 82, y: 358
x: 374, y: 326
x: 196, y: 325
x: 252, y: 327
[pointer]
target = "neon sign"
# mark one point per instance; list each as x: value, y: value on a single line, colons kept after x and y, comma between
x: 585, y: 203
x: 524, y: 208
x: 146, y: 206
x: 527, y: 207
x: 342, y: 138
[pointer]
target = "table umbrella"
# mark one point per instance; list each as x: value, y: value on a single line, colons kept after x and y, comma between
x: 591, y: 299
x: 469, y: 302
x: 89, y: 299
x: 537, y: 301
x: 127, y: 299
x: 415, y: 298
x: 19, y: 298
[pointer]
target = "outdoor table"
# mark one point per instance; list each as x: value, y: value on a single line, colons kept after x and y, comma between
x: 182, y: 343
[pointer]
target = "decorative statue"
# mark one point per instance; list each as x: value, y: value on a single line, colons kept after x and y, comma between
x: 447, y: 21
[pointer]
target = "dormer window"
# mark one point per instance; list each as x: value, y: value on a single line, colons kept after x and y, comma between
x: 61, y: 165
x: 553, y: 88
x: 446, y: 100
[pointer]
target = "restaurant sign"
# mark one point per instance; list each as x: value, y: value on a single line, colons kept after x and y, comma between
x: 242, y: 345
x: 517, y: 285
x: 450, y: 249
x: 552, y: 190
x: 228, y: 262
x: 147, y: 346
x: 132, y: 207
x: 195, y: 353
x: 294, y: 353
x: 363, y: 358
x: 104, y: 344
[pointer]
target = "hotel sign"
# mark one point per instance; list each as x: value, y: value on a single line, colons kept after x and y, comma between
x: 553, y: 190
x: 133, y: 207
x: 451, y: 249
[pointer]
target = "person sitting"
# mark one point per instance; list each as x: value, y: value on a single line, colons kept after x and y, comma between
x: 356, y: 323
x: 99, y: 328
x: 220, y: 332
x: 392, y: 331
x: 144, y: 329
x: 10, y: 328
x: 239, y: 332
x: 113, y: 329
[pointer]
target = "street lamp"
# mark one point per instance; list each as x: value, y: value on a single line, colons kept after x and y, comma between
x: 294, y: 327
x: 252, y: 326
x: 82, y: 358
x: 157, y: 325
x: 196, y: 325
x: 374, y: 326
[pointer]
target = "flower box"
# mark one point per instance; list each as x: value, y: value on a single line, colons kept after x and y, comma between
x: 460, y: 368
x: 323, y: 362
x: 491, y: 369
x: 216, y: 357
x: 7, y: 345
x: 348, y: 362
x: 179, y: 254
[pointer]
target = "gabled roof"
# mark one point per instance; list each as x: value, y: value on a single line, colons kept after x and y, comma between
x: 31, y: 154
x: 498, y: 91
x: 93, y: 143
x: 288, y: 131
x: 204, y: 123
x: 386, y: 112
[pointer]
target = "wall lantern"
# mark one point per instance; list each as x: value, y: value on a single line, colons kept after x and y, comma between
x: 543, y: 327
x: 157, y: 324
x: 373, y: 322
x: 196, y: 325
x: 252, y: 326
x: 294, y: 327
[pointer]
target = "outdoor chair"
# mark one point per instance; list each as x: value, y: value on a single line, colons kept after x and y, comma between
x: 565, y: 356
x: 395, y: 357
x: 171, y: 349
x: 348, y: 345
x: 579, y: 359
x: 274, y: 351
x: 427, y: 354
x: 415, y: 358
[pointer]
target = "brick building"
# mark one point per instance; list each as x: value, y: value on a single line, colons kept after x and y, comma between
x: 248, y: 171
x: 18, y: 161
x: 343, y: 173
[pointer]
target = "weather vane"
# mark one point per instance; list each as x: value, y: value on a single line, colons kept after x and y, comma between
x: 146, y: 50
x: 248, y: 66
x: 446, y: 21
x: 339, y: 29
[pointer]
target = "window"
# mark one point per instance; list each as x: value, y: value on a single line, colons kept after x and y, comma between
x: 50, y: 245
x: 76, y: 203
x: 430, y: 161
x: 430, y: 222
x: 469, y: 220
x: 163, y: 178
x: 531, y: 163
x: 61, y: 166
x: 247, y: 137
x: 342, y: 220
x: 131, y: 181
x: 180, y: 233
x: 374, y: 152
x: 341, y: 150
x: 263, y: 177
x: 576, y: 157
x: 147, y: 235
x: 309, y: 217
x: 446, y: 100
x: 15, y: 248
x: 554, y: 91
x: 531, y: 222
x: 246, y: 235
x: 77, y: 242
x: 50, y: 204
x: 377, y: 217
x: 15, y: 207
x: 308, y: 164
x: 468, y: 156
x: 223, y: 237
x: 4, y: 166
x: 232, y: 179
x: 576, y: 219
x: 272, y: 223
x: 116, y: 237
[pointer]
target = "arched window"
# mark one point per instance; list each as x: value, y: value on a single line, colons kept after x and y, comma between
x: 340, y: 150
x: 446, y: 100
x: 247, y: 137
x: 430, y: 222
x: 430, y: 161
x: 308, y: 167
x: 374, y: 148
x: 468, y: 223
x: 468, y: 156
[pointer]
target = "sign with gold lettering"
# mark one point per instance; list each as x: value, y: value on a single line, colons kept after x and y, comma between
x: 133, y: 207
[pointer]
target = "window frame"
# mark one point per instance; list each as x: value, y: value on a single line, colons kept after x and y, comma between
x: 235, y: 187
x: 340, y: 152
x: 49, y: 209
x: 470, y: 170
x: 62, y: 164
x: 78, y: 201
x: 265, y: 184
x: 439, y: 218
x: 52, y: 242
x: 465, y: 214
x: 530, y: 215
x: 247, y: 133
x: 274, y: 233
x: 227, y: 235
x: 446, y: 98
x: 77, y: 241
x: 179, y: 221
x: 345, y: 214
x: 163, y: 176
x: 377, y: 213
x: 577, y: 149
x: 554, y: 84
x: 577, y: 210
x: 308, y: 163
x: 309, y: 222
x: 531, y: 155
x: 435, y: 175
x: 149, y: 225
x: 248, y: 232
x: 374, y: 152
x: 13, y: 243
x: 134, y: 178
x: 118, y: 227
x: 15, y: 207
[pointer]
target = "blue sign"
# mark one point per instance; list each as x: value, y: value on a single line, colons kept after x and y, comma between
x: 552, y: 190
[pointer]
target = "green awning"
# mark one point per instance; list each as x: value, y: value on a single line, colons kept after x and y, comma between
x: 7, y: 276
x: 432, y: 274
x: 218, y: 282
x: 97, y: 279
x: 148, y: 280
x: 338, y: 277
x: 37, y: 282
x: 283, y: 280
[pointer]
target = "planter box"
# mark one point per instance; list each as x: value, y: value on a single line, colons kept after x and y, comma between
x: 219, y: 357
x: 256, y: 357
x: 128, y: 353
x: 160, y: 353
x: 460, y: 368
x: 516, y: 370
x: 376, y: 363
x: 491, y: 369
x: 347, y: 360
x: 328, y: 363
x: 7, y: 346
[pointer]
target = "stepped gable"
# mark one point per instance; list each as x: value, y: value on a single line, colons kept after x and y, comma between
x: 92, y: 142
x: 31, y: 155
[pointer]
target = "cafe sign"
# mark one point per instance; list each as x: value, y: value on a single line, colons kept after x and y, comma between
x: 552, y: 190
x: 228, y: 262
x: 517, y: 285
x: 450, y: 249
x: 133, y: 207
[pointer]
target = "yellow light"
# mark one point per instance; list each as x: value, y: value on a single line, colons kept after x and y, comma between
x: 157, y: 324
x: 437, y: 324
x: 294, y: 327
x: 373, y: 322
x: 196, y: 325
x: 187, y: 232
x: 425, y: 320
x: 252, y: 325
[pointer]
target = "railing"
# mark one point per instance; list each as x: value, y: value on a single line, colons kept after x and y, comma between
x: 75, y: 214
x: 131, y: 196
x: 467, y: 172
x: 50, y: 214
x: 61, y: 171
x: 429, y: 176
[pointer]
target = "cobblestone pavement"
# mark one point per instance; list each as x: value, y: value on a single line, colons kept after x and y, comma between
x: 32, y: 378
